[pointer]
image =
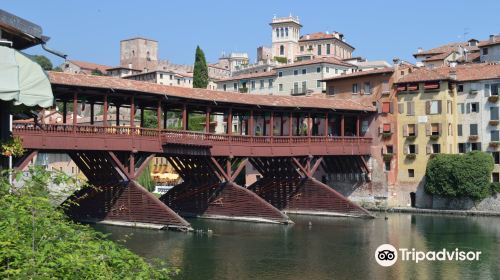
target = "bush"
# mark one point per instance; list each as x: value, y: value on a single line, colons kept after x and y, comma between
x: 39, y: 242
x: 495, y: 187
x: 462, y: 175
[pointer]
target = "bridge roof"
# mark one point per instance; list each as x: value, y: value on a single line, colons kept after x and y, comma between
x: 117, y: 84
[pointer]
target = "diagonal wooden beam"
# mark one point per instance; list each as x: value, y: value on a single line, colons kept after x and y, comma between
x: 143, y: 165
x: 220, y: 169
x: 302, y: 168
x: 239, y: 169
x: 25, y: 160
x: 315, y: 166
x: 119, y: 164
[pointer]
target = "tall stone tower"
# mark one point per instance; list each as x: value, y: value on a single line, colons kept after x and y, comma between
x: 285, y: 34
x: 139, y: 53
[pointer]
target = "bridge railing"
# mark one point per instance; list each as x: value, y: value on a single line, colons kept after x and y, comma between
x: 84, y: 129
x: 171, y: 135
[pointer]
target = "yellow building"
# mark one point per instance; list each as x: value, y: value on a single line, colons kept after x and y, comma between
x: 426, y: 118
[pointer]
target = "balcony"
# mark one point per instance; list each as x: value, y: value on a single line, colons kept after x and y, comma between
x: 494, y: 144
x: 411, y: 156
x: 493, y: 99
x: 243, y: 90
x: 388, y: 156
x: 494, y: 122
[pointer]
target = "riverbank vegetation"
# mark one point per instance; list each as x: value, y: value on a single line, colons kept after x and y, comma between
x: 37, y: 241
x: 461, y: 175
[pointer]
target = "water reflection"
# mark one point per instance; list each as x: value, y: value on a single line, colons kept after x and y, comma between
x: 321, y: 247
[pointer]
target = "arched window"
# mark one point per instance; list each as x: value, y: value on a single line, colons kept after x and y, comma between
x: 277, y: 32
x: 133, y: 53
x: 282, y: 34
x: 282, y: 50
x: 147, y: 56
x: 286, y: 31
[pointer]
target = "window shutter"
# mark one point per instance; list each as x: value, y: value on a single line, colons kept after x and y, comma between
x: 416, y: 129
x: 379, y: 107
x: 487, y: 90
x: 405, y: 130
x: 391, y: 108
x: 440, y: 106
x: 416, y: 149
x: 401, y: 108
x: 468, y: 108
x: 381, y: 129
x: 393, y: 127
x: 405, y: 151
x: 440, y: 129
x: 428, y: 130
x: 427, y: 107
x: 428, y: 149
x: 412, y: 107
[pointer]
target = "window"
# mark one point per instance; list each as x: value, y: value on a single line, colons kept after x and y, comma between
x: 495, y: 135
x: 282, y: 50
x: 460, y: 88
x: 161, y: 76
x: 304, y: 86
x: 286, y: 31
x: 280, y: 74
x: 178, y: 81
x: 410, y: 108
x: 224, y: 87
x: 295, y: 87
x: 496, y: 157
x: 253, y: 84
x: 270, y: 83
x: 436, y: 148
x: 433, y: 107
x: 386, y: 127
x: 355, y: 88
x: 389, y: 149
x: 386, y: 107
x: 475, y: 146
x: 327, y: 48
x: 304, y: 71
x: 301, y: 48
x: 280, y: 87
x: 318, y: 69
x: 319, y: 49
x: 494, y: 113
x: 235, y: 86
x: 411, y: 173
x: 435, y: 129
x: 277, y: 32
x: 261, y: 84
x: 449, y: 107
x: 474, y: 107
x: 461, y: 148
x: 485, y: 51
x: 459, y: 130
x: 367, y: 88
x: 412, y: 130
x: 412, y: 149
x: 318, y: 83
x: 461, y: 108
x: 473, y: 129
x: 495, y: 89
x: 295, y: 72
x: 387, y: 165
x: 336, y: 71
x: 495, y: 177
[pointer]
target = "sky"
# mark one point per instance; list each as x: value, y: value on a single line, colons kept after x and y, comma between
x: 91, y: 30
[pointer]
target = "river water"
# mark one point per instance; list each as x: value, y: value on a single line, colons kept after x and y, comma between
x: 320, y: 247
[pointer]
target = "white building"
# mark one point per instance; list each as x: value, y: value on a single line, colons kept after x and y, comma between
x: 490, y: 49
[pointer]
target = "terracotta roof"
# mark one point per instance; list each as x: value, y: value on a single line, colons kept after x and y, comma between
x: 489, y: 42
x: 320, y: 36
x: 103, y: 82
x: 91, y: 66
x: 464, y: 72
x: 133, y: 38
x: 122, y: 67
x: 217, y: 66
x: 250, y: 76
x: 317, y: 60
x: 385, y: 70
x: 448, y: 48
x: 439, y: 56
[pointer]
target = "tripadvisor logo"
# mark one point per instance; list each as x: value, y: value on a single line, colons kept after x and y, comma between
x: 387, y: 255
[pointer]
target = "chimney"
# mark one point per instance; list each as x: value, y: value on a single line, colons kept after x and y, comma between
x: 453, y: 74
x: 492, y: 38
x: 419, y: 50
x: 395, y: 61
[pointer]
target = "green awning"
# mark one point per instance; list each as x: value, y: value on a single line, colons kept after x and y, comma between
x: 23, y: 80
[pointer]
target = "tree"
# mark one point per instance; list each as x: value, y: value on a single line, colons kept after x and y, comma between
x: 43, y: 61
x: 462, y: 175
x: 97, y: 72
x: 39, y: 242
x: 200, y: 74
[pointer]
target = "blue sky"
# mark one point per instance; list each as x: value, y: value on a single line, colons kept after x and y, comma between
x: 90, y: 30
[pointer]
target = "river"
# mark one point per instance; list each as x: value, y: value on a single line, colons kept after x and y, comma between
x: 320, y: 247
